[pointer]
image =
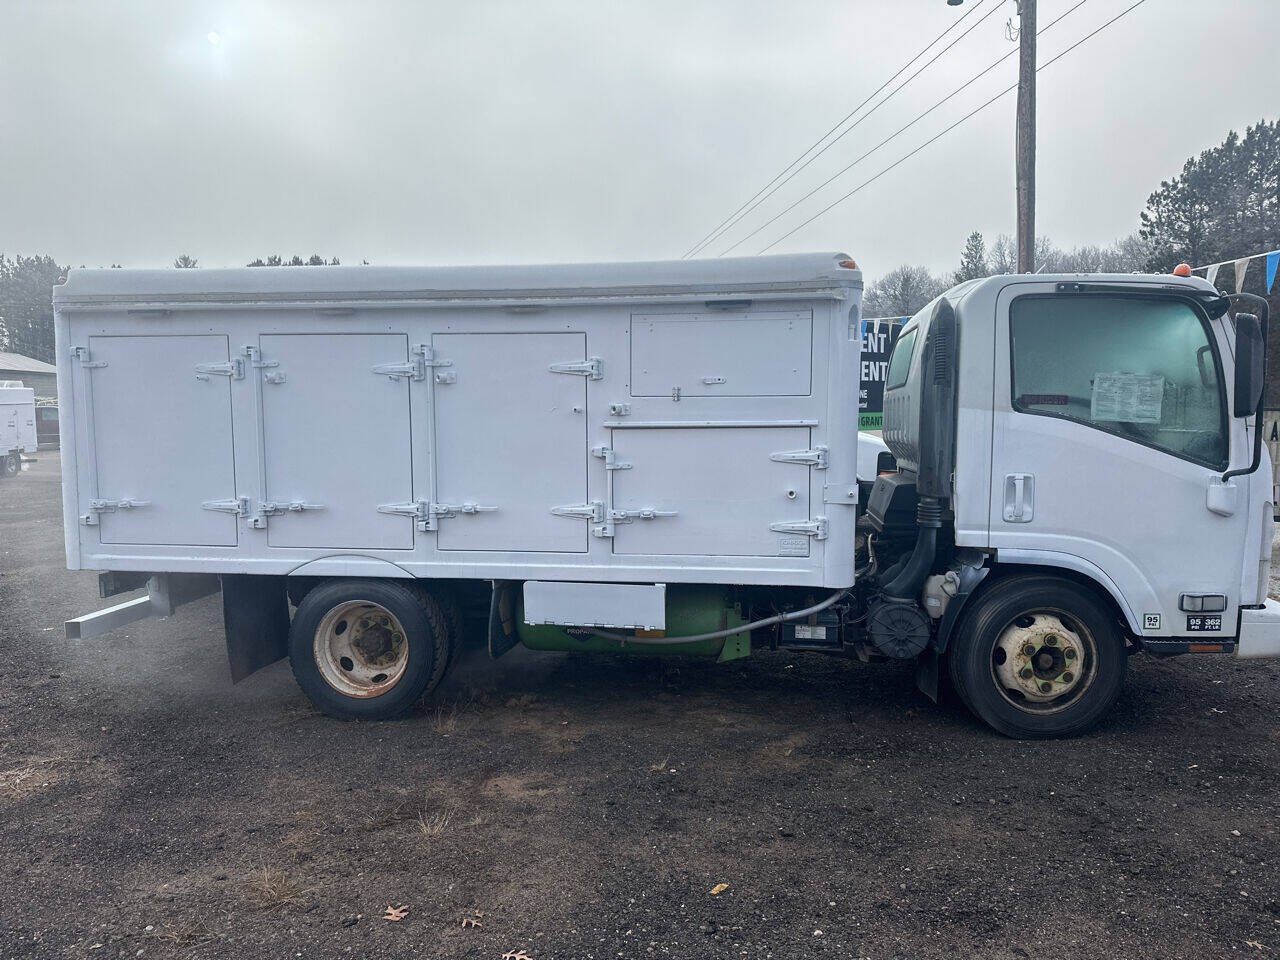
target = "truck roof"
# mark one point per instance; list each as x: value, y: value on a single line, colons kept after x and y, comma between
x: 819, y: 273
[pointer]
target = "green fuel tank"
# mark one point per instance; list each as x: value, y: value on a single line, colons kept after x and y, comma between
x: 691, y: 609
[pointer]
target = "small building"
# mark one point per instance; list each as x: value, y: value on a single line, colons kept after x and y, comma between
x: 40, y: 376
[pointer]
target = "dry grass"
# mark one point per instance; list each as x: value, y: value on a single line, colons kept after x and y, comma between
x: 660, y: 766
x: 445, y: 721
x: 271, y: 888
x: 190, y: 934
x: 434, y: 824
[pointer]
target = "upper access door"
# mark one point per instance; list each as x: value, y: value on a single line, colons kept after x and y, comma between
x: 1111, y: 432
x: 161, y: 434
x: 336, y: 440
x: 511, y: 440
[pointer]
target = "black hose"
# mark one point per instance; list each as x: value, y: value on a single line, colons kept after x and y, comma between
x: 907, y: 581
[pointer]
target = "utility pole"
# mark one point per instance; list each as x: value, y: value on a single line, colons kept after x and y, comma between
x: 1026, y: 136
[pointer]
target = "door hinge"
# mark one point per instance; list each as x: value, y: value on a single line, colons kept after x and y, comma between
x: 593, y: 511
x: 415, y: 369
x: 593, y: 368
x: 817, y: 457
x: 816, y: 528
x: 420, y: 510
x: 97, y: 507
x: 610, y: 458
x: 237, y: 505
x: 232, y: 368
x: 82, y: 356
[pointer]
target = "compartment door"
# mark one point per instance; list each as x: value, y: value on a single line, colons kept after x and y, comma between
x: 162, y: 440
x: 713, y: 491
x: 337, y: 440
x: 511, y: 440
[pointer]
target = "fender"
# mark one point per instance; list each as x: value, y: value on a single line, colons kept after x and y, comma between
x: 350, y: 565
x: 927, y: 664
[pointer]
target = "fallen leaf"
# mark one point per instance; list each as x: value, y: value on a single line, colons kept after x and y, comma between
x: 719, y: 888
x: 396, y: 913
x: 1255, y: 944
x: 474, y: 919
x: 516, y: 955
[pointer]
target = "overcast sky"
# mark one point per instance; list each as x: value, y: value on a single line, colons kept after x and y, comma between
x: 411, y: 131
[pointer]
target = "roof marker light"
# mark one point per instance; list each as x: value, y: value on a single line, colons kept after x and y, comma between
x: 1182, y: 270
x: 847, y: 264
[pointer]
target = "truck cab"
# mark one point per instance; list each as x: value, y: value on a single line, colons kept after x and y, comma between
x: 1085, y: 450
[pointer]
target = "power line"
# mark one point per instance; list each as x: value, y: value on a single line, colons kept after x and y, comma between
x: 843, y: 170
x: 742, y: 211
x: 939, y: 136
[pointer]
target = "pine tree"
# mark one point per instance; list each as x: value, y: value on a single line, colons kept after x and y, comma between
x: 973, y: 260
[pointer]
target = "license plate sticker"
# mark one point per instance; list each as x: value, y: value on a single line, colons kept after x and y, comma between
x: 1204, y: 622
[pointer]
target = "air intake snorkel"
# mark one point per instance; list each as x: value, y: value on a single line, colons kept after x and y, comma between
x: 936, y: 445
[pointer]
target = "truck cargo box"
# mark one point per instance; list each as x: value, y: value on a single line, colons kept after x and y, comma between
x: 693, y: 421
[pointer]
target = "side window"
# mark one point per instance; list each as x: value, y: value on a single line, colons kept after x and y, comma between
x: 900, y: 361
x: 1139, y: 368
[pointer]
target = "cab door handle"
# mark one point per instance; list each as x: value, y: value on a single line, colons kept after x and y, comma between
x: 1019, y: 497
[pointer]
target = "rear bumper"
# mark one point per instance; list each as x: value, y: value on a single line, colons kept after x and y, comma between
x: 1260, y: 632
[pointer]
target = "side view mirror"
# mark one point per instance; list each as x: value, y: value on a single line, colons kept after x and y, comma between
x: 1250, y: 365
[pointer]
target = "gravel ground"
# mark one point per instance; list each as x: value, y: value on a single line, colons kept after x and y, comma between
x: 592, y: 808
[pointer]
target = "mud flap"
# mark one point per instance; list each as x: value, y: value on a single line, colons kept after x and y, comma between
x: 255, y: 613
x: 927, y: 673
x: 502, y: 617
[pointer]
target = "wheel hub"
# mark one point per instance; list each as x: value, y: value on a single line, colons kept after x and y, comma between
x: 1041, y: 660
x: 361, y: 649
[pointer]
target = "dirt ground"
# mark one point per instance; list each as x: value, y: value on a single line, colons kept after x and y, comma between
x: 547, y: 806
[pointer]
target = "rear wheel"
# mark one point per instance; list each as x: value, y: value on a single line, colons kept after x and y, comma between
x: 1038, y: 657
x: 367, y: 649
x: 10, y: 464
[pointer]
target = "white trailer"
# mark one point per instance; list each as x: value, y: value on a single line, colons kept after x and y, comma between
x: 17, y: 425
x: 663, y: 457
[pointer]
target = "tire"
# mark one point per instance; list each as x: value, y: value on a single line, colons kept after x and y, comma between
x: 450, y: 609
x: 367, y: 649
x: 1038, y: 657
x: 10, y: 464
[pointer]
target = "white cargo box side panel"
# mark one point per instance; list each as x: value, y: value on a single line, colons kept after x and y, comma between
x: 160, y: 437
x: 627, y: 606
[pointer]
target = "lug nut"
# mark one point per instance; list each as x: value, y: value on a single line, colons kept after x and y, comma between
x: 1069, y: 653
x: 1028, y: 650
x: 1068, y: 677
x: 1026, y: 673
x: 1051, y: 640
x: 1046, y: 687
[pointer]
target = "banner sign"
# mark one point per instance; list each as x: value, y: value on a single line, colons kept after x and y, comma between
x: 878, y: 337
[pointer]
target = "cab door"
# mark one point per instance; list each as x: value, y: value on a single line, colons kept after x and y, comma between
x: 1111, y: 431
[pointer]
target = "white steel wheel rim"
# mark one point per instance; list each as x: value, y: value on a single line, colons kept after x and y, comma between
x: 1043, y: 661
x: 361, y: 649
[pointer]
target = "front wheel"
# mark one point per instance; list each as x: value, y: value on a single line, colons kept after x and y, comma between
x: 10, y: 464
x: 1038, y: 657
x: 367, y: 649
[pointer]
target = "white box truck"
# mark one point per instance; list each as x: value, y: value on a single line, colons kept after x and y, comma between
x: 17, y: 425
x: 663, y: 458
